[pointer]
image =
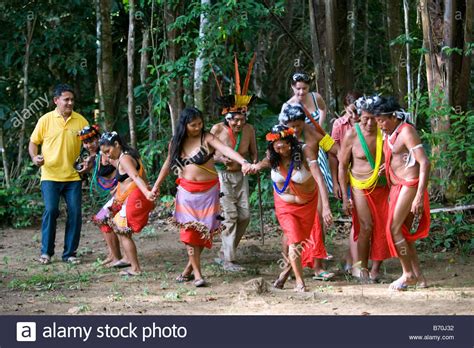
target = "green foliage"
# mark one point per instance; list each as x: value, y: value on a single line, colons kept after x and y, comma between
x: 20, y: 206
x: 457, y: 154
x: 451, y: 231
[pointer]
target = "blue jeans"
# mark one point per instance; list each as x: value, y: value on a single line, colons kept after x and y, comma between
x: 52, y: 191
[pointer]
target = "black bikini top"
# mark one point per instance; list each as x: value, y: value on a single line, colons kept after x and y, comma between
x: 123, y: 177
x: 200, y: 158
x: 105, y: 170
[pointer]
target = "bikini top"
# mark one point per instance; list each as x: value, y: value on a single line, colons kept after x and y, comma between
x: 200, y: 158
x: 105, y: 170
x: 315, y: 113
x: 299, y: 176
x: 123, y: 177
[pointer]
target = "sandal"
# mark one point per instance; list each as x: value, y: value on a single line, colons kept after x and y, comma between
x: 44, y: 259
x: 324, y: 275
x: 129, y: 273
x: 183, y: 278
x: 198, y: 283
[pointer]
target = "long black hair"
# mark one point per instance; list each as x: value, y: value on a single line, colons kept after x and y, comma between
x: 109, y: 139
x: 296, y: 149
x: 188, y: 115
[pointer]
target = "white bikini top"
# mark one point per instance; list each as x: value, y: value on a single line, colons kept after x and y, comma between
x: 299, y: 176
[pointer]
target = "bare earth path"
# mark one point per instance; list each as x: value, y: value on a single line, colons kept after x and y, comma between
x: 27, y: 287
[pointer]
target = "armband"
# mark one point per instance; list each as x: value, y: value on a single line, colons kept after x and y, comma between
x: 326, y: 143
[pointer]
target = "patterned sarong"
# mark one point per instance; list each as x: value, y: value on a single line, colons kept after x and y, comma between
x: 196, y: 211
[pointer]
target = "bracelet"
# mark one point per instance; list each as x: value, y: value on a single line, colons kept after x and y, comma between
x: 245, y: 161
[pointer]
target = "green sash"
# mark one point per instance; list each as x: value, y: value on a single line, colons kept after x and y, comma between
x: 382, y: 180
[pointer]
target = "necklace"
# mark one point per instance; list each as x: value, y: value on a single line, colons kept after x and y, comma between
x: 287, y: 180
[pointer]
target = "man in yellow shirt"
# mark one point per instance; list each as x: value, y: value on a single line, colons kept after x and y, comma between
x: 56, y: 132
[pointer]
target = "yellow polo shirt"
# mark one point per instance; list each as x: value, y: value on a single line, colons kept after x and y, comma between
x: 60, y: 145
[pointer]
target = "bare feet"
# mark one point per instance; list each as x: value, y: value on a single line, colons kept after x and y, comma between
x: 280, y: 282
x: 364, y: 276
x: 421, y: 282
x: 300, y: 287
x: 402, y: 283
x: 108, y: 260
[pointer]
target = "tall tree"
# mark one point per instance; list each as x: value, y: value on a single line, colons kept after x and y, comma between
x: 394, y: 30
x: 199, y: 64
x: 130, y: 72
x: 30, y: 26
x: 106, y: 62
x: 318, y: 62
x: 331, y: 37
x: 175, y: 86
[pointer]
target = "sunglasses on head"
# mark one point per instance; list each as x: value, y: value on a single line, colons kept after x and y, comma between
x: 300, y: 77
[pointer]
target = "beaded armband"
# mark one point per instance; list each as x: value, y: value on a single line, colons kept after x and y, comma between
x: 326, y: 143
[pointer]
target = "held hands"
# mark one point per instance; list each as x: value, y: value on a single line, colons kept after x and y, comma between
x: 150, y: 196
x: 38, y: 160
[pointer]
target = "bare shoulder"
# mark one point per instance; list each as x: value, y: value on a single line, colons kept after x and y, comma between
x: 248, y: 128
x: 217, y: 128
x: 350, y: 135
x: 408, y: 134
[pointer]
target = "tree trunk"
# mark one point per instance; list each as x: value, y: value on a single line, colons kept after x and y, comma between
x: 432, y: 24
x: 199, y: 64
x: 464, y: 78
x: 108, y: 81
x: 30, y: 26
x: 315, y: 48
x: 100, y: 80
x: 130, y: 72
x: 6, y: 172
x: 366, y: 38
x: 330, y: 11
x: 175, y: 85
x: 394, y: 29
x: 408, y: 60
x: 447, y: 59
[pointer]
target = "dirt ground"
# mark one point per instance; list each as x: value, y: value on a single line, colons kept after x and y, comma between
x: 26, y: 287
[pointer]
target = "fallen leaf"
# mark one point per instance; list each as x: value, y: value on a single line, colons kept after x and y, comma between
x: 365, y: 313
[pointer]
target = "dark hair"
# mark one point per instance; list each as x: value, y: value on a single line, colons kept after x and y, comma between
x: 188, y: 115
x: 351, y: 97
x: 109, y: 139
x: 291, y: 112
x: 59, y: 89
x: 296, y: 149
x: 377, y: 105
x: 89, y: 132
x: 300, y: 76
